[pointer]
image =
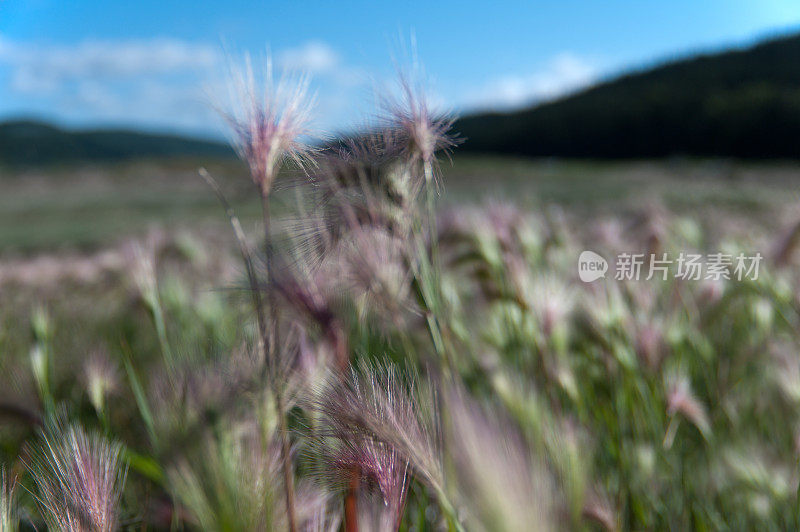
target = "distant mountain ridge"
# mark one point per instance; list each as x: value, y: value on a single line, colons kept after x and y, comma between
x: 32, y: 142
x: 738, y: 103
x: 741, y: 103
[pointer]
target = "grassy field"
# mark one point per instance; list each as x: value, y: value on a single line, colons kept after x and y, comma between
x: 89, y: 206
x: 492, y: 393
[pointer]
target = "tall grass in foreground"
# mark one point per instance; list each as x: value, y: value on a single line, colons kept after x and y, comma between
x: 389, y: 365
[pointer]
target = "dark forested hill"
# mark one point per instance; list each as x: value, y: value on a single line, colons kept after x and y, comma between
x: 740, y: 103
x: 29, y: 142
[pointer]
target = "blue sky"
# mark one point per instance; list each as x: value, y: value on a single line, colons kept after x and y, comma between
x: 156, y: 64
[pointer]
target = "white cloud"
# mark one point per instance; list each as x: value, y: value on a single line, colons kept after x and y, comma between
x: 563, y: 74
x: 28, y: 81
x: 152, y: 83
x: 314, y: 57
x: 39, y: 69
x: 96, y: 96
x: 160, y: 82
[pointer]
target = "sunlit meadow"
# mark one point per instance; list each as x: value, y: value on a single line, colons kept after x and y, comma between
x: 364, y: 342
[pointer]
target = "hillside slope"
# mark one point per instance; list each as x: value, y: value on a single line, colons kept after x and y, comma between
x: 742, y: 103
x: 30, y: 142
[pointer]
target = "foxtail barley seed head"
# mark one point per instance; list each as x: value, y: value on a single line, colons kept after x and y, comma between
x: 550, y: 298
x: 102, y: 379
x: 501, y: 486
x: 650, y: 345
x: 41, y: 324
x: 40, y: 367
x: 143, y: 274
x: 681, y: 400
x: 391, y: 419
x: 268, y: 121
x: 377, y: 270
x: 599, y: 509
x: 79, y: 479
x: 422, y: 130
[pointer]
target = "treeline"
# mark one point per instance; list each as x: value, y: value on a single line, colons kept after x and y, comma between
x: 742, y: 103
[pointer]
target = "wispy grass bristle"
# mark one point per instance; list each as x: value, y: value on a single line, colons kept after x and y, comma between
x: 79, y: 478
